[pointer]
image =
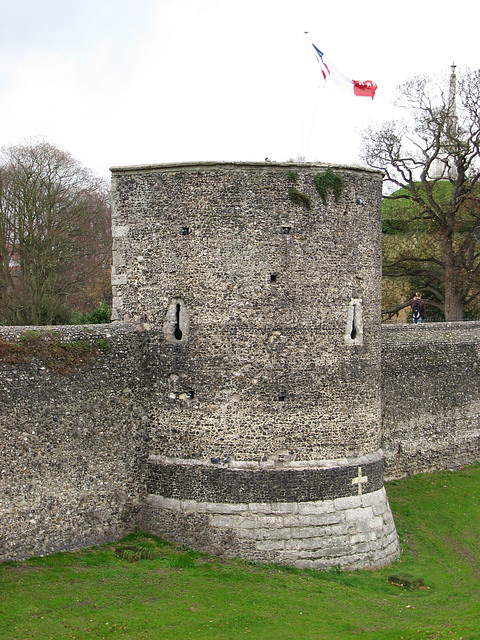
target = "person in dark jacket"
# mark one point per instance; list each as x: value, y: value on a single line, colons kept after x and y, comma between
x: 418, y: 308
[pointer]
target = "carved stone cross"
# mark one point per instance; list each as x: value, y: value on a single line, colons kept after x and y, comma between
x: 360, y: 480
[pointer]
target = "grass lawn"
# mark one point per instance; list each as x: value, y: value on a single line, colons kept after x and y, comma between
x: 175, y: 593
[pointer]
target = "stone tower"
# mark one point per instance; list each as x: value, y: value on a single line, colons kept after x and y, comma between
x: 261, y: 298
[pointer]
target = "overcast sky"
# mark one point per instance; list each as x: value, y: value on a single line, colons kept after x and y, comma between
x: 121, y: 82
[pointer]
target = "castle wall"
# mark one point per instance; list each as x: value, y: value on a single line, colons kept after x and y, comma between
x: 266, y: 311
x: 74, y: 447
x: 238, y: 407
x: 71, y: 436
x: 431, y: 396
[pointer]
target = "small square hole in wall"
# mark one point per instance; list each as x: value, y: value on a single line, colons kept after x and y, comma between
x: 185, y: 231
x: 273, y: 277
x: 282, y: 396
x: 286, y: 230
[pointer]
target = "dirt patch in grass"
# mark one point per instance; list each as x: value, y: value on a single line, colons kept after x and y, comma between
x: 23, y: 569
x: 470, y: 558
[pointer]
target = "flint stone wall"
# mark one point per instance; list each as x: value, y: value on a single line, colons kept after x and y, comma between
x: 265, y: 289
x: 431, y: 396
x: 256, y: 431
x: 74, y: 448
x: 71, y: 439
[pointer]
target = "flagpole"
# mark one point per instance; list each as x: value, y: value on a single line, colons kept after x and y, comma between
x: 307, y: 135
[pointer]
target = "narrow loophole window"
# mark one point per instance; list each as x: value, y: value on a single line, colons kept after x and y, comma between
x: 353, y: 333
x: 178, y: 333
x: 354, y: 328
x: 177, y: 322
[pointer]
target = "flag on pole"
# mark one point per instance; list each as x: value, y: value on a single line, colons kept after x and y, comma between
x: 325, y: 70
x: 360, y: 87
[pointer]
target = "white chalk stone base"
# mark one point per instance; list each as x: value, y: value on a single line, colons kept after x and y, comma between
x: 356, y: 532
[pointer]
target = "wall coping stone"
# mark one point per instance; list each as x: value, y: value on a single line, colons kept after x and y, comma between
x: 117, y: 327
x: 434, y: 327
x: 232, y: 166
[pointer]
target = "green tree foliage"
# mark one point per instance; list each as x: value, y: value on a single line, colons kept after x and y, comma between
x: 54, y: 234
x: 432, y: 213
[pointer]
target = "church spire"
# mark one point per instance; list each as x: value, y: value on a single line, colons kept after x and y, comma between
x: 452, y: 105
x: 443, y: 166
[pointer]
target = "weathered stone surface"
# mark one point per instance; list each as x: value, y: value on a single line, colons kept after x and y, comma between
x: 266, y: 362
x: 356, y: 540
x: 72, y: 440
x: 223, y: 484
x: 431, y: 396
x: 267, y: 371
x: 238, y: 389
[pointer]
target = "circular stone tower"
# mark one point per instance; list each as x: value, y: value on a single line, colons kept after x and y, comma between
x: 259, y: 285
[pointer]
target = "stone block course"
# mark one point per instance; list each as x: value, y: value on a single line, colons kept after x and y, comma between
x: 288, y: 538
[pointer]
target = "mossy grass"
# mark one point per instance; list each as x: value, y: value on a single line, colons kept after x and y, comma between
x: 299, y: 198
x: 48, y: 347
x: 175, y: 592
x: 329, y: 180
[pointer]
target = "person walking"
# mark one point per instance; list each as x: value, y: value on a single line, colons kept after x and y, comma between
x: 418, y: 308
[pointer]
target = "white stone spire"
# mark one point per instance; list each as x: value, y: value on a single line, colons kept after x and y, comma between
x: 452, y: 105
x: 445, y: 167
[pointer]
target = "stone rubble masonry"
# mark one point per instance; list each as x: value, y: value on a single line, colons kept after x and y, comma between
x: 244, y: 434
x: 71, y: 441
x: 284, y: 482
x: 261, y: 294
x: 270, y: 354
x: 431, y: 396
x: 74, y: 452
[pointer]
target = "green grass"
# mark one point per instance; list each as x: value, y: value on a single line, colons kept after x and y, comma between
x: 143, y: 588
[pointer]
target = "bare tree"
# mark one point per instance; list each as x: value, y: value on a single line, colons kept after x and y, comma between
x: 54, y: 231
x: 431, y: 165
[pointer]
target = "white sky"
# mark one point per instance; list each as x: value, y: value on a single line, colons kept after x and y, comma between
x: 120, y: 82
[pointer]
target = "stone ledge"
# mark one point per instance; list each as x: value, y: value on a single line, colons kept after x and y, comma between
x: 270, y: 464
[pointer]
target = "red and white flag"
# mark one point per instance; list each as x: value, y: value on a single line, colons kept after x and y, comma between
x: 360, y: 87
